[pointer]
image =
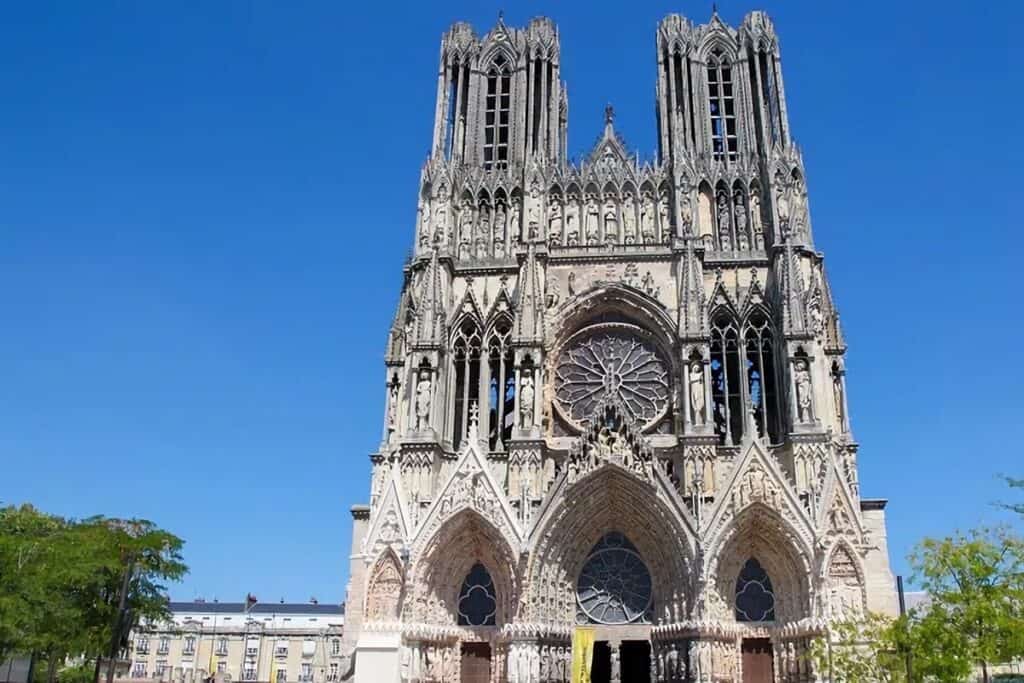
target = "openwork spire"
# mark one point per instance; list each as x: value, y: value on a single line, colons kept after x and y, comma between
x: 530, y: 300
x: 430, y: 312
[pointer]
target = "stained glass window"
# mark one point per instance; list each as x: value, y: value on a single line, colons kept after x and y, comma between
x: 614, y: 586
x: 755, y: 600
x: 477, y: 605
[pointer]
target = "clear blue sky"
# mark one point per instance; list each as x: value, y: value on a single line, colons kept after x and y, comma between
x: 205, y: 207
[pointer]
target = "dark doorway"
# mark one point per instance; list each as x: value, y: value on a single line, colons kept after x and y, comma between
x: 635, y: 661
x: 476, y: 663
x: 757, y: 660
x: 601, y: 667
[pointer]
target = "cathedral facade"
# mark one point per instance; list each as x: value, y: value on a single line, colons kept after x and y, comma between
x: 614, y: 391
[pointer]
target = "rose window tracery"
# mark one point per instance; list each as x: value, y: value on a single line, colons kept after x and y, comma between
x: 617, y: 363
x: 614, y: 586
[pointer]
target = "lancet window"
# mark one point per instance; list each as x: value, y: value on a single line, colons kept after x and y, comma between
x: 761, y: 377
x: 721, y: 106
x: 744, y: 377
x: 501, y: 390
x: 496, y: 113
x: 755, y: 598
x: 466, y: 360
x: 477, y: 602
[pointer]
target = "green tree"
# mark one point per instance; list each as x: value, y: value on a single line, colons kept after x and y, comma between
x: 1014, y: 507
x: 859, y: 650
x: 61, y: 581
x: 976, y: 585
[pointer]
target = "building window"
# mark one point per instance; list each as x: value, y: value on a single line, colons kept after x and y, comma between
x: 281, y: 649
x: 755, y: 600
x: 614, y: 586
x: 496, y: 114
x: 139, y: 670
x: 761, y: 377
x: 336, y: 646
x: 721, y: 107
x: 222, y: 646
x: 501, y: 392
x: 306, y: 672
x: 281, y: 675
x: 477, y: 604
x: 466, y: 357
x: 161, y: 667
x: 726, y: 400
x: 332, y: 672
x: 164, y: 646
x: 142, y: 645
x: 190, y: 645
x: 249, y: 673
x: 222, y: 667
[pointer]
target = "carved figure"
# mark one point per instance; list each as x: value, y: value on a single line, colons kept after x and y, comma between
x: 572, y: 221
x: 392, y: 405
x: 514, y: 220
x: 593, y: 222
x: 533, y: 215
x: 572, y: 284
x: 555, y: 222
x: 802, y: 378
x: 611, y: 222
x: 697, y: 398
x: 755, y: 219
x: 628, y: 219
x: 526, y: 398
x: 466, y: 222
x: 740, y: 213
x: 724, y: 227
x: 663, y: 216
x: 423, y: 399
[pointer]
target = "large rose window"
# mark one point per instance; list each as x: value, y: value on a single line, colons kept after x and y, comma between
x: 614, y: 586
x: 616, y: 362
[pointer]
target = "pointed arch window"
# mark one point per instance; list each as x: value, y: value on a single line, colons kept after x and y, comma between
x: 496, y: 113
x: 614, y: 586
x: 501, y: 389
x: 721, y: 106
x: 466, y: 360
x: 762, y: 383
x: 755, y: 598
x: 726, y: 397
x: 478, y: 605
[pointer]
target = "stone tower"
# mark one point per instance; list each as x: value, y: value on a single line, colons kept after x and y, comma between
x: 614, y: 391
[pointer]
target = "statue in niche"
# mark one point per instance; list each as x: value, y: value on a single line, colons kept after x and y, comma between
x: 533, y: 215
x: 755, y: 219
x: 593, y: 221
x: 572, y: 221
x: 697, y: 398
x: 782, y: 206
x: 424, y: 221
x: 663, y: 217
x: 628, y: 219
x: 798, y: 208
x: 629, y: 275
x: 724, y: 227
x: 802, y: 378
x: 740, y: 213
x: 466, y: 222
x: 526, y: 400
x: 551, y: 297
x: 514, y: 220
x: 837, y: 397
x: 647, y: 284
x: 685, y: 206
x: 440, y: 222
x: 611, y: 222
x: 423, y: 399
x: 647, y: 219
x: 555, y: 222
x: 572, y: 284
x: 393, y: 405
x: 481, y: 247
x: 499, y: 221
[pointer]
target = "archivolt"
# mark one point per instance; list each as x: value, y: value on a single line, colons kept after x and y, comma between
x: 609, y: 500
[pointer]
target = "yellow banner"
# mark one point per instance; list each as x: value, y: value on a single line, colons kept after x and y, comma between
x: 582, y: 654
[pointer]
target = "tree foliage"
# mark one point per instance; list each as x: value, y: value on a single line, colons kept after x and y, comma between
x: 60, y: 581
x: 1014, y: 507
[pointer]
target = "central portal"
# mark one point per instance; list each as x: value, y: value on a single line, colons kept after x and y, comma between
x: 757, y: 661
x: 635, y: 664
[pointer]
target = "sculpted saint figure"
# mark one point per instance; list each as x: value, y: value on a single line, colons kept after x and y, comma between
x: 697, y: 402
x: 526, y: 398
x: 572, y: 221
x: 466, y: 222
x: 755, y: 219
x: 514, y: 219
x: 803, y: 390
x: 593, y: 220
x: 423, y: 397
x: 611, y: 222
x: 555, y: 222
x: 724, y: 227
x: 740, y: 211
x: 663, y: 217
x: 533, y: 215
x: 647, y: 219
x: 628, y: 219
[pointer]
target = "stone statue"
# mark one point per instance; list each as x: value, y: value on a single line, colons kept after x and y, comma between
x: 499, y: 220
x: 724, y: 227
x: 440, y: 222
x: 526, y: 400
x: 533, y: 215
x: 782, y: 207
x: 663, y: 216
x: 514, y: 220
x: 697, y: 398
x: 572, y: 221
x: 647, y: 284
x: 423, y: 399
x: 572, y: 284
x: 740, y: 213
x: 628, y: 219
x: 424, y: 221
x: 647, y: 219
x: 611, y: 222
x: 593, y: 221
x: 555, y: 222
x: 466, y: 222
x: 685, y: 206
x: 802, y: 378
x: 755, y: 219
x: 393, y: 405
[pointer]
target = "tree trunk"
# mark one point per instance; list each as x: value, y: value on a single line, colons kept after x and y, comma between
x: 984, y: 672
x: 96, y: 671
x: 51, y: 669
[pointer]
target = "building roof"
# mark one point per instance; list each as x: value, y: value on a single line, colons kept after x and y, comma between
x: 258, y: 608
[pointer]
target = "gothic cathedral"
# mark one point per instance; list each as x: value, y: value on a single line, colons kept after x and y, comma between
x: 615, y: 392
